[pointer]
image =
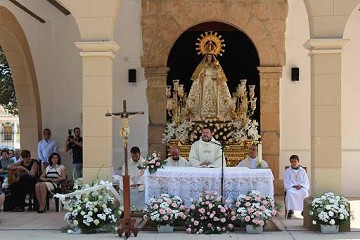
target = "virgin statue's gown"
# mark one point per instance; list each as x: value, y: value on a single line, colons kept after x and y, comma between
x: 209, y: 96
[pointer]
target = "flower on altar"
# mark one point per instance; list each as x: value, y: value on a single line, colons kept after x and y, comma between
x: 165, y: 209
x: 330, y: 209
x: 90, y: 211
x: 254, y: 209
x: 188, y: 132
x: 208, y: 214
x: 152, y: 163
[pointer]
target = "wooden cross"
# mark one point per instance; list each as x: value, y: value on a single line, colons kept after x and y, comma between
x: 127, y: 225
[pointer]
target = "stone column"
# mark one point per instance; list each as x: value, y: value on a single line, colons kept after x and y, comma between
x: 269, y: 120
x: 156, y: 87
x: 97, y: 59
x: 325, y: 57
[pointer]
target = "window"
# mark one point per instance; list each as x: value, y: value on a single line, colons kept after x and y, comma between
x: 8, y: 133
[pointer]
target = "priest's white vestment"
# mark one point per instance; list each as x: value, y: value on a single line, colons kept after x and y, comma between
x: 252, y: 163
x: 182, y: 162
x: 206, y: 152
x: 294, y: 199
x: 134, y: 171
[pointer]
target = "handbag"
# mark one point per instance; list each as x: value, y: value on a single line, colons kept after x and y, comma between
x: 14, y: 175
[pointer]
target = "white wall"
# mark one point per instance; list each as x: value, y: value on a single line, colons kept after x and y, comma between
x: 128, y: 34
x: 350, y: 106
x: 295, y: 96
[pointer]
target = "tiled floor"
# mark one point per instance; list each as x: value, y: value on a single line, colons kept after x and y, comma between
x: 30, y: 225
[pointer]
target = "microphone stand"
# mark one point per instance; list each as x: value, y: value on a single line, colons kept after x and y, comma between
x: 222, y: 145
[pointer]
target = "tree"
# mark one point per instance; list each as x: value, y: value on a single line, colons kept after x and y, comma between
x: 7, y: 90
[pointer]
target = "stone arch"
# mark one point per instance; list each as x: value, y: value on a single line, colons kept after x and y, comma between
x: 263, y: 22
x: 17, y: 51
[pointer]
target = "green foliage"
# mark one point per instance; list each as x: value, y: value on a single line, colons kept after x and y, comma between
x: 7, y: 90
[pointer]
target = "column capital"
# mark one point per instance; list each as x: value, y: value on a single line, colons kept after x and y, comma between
x: 325, y: 46
x: 98, y: 48
x: 156, y: 72
x: 270, y: 71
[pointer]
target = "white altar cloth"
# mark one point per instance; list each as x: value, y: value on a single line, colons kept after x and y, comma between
x: 188, y: 182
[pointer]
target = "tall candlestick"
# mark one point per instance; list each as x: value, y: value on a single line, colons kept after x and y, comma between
x: 259, y: 152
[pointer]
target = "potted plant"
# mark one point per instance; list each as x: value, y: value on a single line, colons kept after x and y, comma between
x: 208, y: 214
x: 329, y: 210
x: 254, y: 211
x: 164, y: 211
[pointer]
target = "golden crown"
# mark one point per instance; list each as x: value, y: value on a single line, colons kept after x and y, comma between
x: 210, y: 43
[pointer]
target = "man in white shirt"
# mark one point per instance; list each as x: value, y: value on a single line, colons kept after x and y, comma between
x: 206, y: 152
x: 137, y: 194
x: 17, y: 156
x: 46, y: 146
x: 136, y: 175
x: 175, y: 160
x: 252, y: 161
x: 296, y: 185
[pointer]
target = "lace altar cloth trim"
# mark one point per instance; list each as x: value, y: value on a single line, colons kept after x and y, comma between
x: 188, y: 182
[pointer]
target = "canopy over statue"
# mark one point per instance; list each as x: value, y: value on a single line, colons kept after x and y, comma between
x: 209, y: 96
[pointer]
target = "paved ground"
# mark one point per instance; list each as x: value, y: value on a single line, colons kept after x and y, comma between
x: 30, y: 225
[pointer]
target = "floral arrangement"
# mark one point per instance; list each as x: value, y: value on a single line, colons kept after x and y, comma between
x: 254, y: 209
x: 209, y: 214
x: 188, y: 132
x: 152, y: 163
x: 91, y: 211
x: 329, y: 209
x: 165, y: 209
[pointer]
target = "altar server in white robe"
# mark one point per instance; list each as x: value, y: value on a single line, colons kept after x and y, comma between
x: 175, y: 160
x: 296, y: 185
x: 251, y: 161
x: 206, y: 152
x: 136, y: 175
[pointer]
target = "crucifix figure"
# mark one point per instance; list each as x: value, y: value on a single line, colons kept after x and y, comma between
x: 127, y: 225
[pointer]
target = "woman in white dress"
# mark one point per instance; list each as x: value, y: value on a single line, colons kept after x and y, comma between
x: 50, y: 179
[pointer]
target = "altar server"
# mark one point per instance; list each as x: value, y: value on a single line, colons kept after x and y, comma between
x: 175, y: 160
x: 206, y: 152
x: 136, y: 175
x: 296, y: 185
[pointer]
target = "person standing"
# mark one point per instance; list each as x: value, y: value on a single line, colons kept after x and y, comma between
x: 206, y: 152
x: 75, y: 144
x: 296, y: 185
x: 46, y: 146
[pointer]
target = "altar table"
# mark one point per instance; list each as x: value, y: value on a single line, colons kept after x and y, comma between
x: 188, y: 182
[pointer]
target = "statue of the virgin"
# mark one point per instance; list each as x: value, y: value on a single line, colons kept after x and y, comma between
x: 209, y: 96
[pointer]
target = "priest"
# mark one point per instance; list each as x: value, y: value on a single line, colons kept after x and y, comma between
x: 136, y: 175
x: 252, y: 161
x: 206, y: 152
x: 296, y: 185
x: 175, y: 160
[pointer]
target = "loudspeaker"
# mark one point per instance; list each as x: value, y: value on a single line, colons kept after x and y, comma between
x: 132, y: 75
x: 294, y: 74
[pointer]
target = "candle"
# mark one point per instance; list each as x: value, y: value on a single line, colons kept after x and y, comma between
x: 259, y: 152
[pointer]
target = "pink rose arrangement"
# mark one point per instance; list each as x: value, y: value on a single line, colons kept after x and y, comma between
x: 208, y: 214
x: 254, y: 209
x: 165, y: 209
x: 152, y: 163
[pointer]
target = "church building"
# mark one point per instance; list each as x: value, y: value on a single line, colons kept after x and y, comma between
x: 73, y: 61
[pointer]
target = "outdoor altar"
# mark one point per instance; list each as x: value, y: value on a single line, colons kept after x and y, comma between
x: 209, y: 103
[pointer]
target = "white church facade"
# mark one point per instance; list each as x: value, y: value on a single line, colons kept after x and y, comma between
x: 69, y: 70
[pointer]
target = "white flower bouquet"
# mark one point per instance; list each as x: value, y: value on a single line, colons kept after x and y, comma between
x: 91, y: 211
x: 165, y: 209
x: 254, y: 209
x: 329, y: 209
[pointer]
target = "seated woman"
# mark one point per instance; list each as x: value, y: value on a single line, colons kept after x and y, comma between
x: 28, y: 170
x: 4, y: 163
x: 51, y: 179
